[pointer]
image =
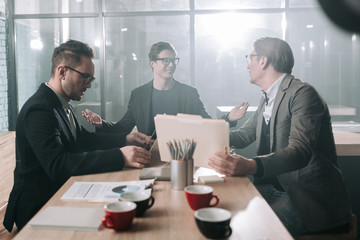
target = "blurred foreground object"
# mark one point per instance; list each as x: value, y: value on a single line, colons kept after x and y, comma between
x: 344, y: 13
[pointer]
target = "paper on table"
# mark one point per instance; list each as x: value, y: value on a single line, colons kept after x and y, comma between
x: 210, y: 179
x: 68, y: 218
x: 104, y: 191
x: 201, y: 171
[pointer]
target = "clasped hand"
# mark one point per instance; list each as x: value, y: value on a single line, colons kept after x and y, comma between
x: 135, y: 155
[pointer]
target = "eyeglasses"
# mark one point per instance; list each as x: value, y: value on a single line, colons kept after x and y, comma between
x: 166, y: 61
x: 88, y: 77
x: 249, y: 58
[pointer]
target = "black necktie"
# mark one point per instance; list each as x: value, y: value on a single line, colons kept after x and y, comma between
x: 266, y: 98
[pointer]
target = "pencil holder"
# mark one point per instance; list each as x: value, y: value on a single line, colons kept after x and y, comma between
x: 190, y: 171
x: 178, y: 169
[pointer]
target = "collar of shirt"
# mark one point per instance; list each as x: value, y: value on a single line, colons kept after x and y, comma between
x: 271, y: 94
x: 63, y: 102
x: 66, y: 107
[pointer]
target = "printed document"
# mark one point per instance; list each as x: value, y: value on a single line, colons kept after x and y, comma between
x: 104, y: 191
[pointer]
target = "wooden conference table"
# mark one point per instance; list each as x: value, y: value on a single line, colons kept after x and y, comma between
x: 171, y: 217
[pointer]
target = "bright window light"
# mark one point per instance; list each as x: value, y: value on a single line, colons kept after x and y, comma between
x: 97, y: 43
x: 228, y: 30
x: 36, y: 44
x: 283, y: 25
x: 311, y: 44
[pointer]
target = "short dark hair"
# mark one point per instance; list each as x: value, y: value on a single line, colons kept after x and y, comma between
x: 70, y: 52
x: 278, y: 53
x: 159, y: 47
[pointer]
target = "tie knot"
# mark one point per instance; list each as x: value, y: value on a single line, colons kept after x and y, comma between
x: 266, y: 98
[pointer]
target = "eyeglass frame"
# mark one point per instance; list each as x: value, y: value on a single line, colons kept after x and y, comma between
x: 175, y: 61
x: 88, y: 77
x: 249, y: 57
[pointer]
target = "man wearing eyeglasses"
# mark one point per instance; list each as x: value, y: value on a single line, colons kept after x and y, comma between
x: 296, y: 168
x: 161, y: 95
x: 51, y: 144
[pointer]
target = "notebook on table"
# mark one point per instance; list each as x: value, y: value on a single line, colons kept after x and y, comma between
x: 68, y: 218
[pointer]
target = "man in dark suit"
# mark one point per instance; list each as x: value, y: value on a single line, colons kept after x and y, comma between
x: 52, y: 146
x: 161, y: 95
x: 296, y: 167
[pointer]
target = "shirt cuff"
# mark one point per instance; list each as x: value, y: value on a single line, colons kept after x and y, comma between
x: 231, y: 123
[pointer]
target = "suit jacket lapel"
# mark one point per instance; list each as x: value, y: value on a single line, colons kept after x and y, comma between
x: 78, y: 126
x: 59, y: 108
x: 284, y: 85
x: 260, y: 121
x: 66, y: 120
x: 146, y: 108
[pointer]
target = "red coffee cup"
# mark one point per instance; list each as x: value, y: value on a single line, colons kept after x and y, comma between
x: 119, y: 215
x: 200, y: 196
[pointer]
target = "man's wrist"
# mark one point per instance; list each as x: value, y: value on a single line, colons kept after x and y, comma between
x: 252, y: 167
x: 259, y: 172
x: 100, y: 124
x: 228, y: 117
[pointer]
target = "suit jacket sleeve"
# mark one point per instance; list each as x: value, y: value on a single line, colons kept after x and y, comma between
x: 245, y: 135
x: 125, y: 125
x: 60, y: 155
x: 194, y: 105
x: 127, y: 122
x: 193, y: 102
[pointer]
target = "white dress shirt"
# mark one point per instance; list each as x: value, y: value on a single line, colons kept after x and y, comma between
x: 271, y: 94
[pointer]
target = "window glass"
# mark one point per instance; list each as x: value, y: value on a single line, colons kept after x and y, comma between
x: 328, y: 58
x: 128, y: 41
x: 325, y: 56
x: 2, y: 6
x: 222, y: 41
x: 303, y: 3
x: 35, y: 42
x: 145, y: 5
x: 236, y: 4
x: 62, y: 6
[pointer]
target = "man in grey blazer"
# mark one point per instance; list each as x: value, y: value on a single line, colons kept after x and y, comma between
x: 51, y: 144
x: 296, y: 167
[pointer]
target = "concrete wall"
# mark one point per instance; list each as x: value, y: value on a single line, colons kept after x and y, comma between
x: 4, y: 120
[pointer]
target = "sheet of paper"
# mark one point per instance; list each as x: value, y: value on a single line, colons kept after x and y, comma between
x: 104, y: 191
x: 201, y: 171
x: 155, y: 155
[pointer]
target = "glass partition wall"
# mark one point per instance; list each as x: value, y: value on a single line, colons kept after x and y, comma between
x: 211, y: 38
